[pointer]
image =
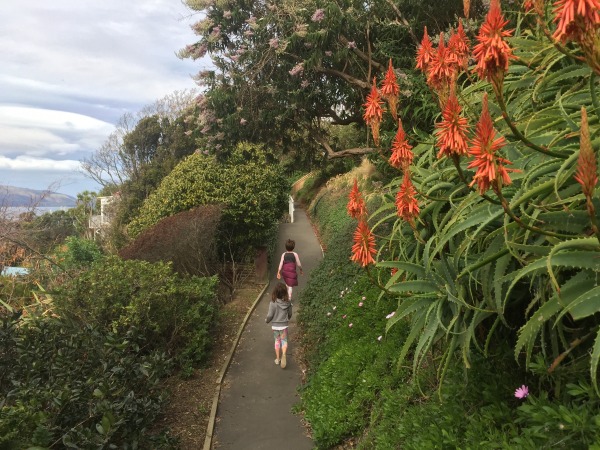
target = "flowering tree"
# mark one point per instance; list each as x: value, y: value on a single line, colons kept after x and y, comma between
x: 495, y: 223
x: 285, y: 71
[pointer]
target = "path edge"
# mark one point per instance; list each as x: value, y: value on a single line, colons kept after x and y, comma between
x: 213, y: 411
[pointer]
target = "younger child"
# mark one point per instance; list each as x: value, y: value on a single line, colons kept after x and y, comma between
x: 280, y: 312
x: 287, y: 267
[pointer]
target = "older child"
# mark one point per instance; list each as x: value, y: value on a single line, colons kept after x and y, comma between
x: 287, y: 267
x: 280, y: 312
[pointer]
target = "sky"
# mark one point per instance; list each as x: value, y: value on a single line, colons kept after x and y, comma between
x: 69, y: 69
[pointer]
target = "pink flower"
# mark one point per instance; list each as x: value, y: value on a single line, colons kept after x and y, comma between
x: 243, y: 121
x: 360, y: 304
x: 350, y: 325
x: 318, y: 16
x: 522, y: 392
x: 344, y: 316
x: 380, y: 338
x: 390, y: 315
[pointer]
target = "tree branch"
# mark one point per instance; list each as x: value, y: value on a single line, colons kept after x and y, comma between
x: 331, y: 153
x: 348, y: 78
x: 362, y: 55
x: 403, y: 21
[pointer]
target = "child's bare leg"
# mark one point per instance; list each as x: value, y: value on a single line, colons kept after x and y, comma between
x: 289, y: 289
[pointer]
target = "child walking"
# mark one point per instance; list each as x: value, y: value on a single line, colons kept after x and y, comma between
x: 287, y: 267
x: 280, y: 312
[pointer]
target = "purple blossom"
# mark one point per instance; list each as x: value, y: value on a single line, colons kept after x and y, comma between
x: 297, y: 70
x: 318, y: 15
x: 522, y: 392
x: 351, y: 44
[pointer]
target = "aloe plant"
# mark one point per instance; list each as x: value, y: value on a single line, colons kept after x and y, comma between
x: 524, y: 256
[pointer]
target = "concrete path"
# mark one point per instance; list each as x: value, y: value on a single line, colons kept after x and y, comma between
x: 255, y: 406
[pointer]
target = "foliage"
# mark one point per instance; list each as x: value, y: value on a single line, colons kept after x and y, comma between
x: 522, y: 255
x: 78, y: 252
x: 71, y: 385
x: 359, y: 392
x: 172, y: 313
x: 254, y: 196
x: 51, y: 229
x: 301, y: 66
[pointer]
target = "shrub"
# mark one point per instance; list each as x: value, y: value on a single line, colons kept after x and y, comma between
x: 186, y: 239
x: 254, y: 194
x: 70, y: 385
x: 172, y: 312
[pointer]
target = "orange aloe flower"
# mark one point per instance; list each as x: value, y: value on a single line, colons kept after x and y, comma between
x: 442, y: 70
x: 586, y: 174
x: 425, y: 52
x: 492, y: 53
x: 373, y: 111
x: 390, y: 90
x: 459, y: 46
x: 356, y: 204
x: 452, y: 131
x: 489, y: 166
x: 575, y: 18
x: 402, y: 155
x: 406, y: 202
x: 364, y: 245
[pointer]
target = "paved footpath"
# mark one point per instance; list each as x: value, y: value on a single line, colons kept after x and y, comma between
x: 255, y: 407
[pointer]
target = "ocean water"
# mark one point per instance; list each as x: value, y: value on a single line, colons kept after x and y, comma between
x: 14, y: 211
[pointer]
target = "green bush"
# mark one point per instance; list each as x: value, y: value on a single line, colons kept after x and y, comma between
x: 69, y: 385
x: 254, y: 194
x: 79, y: 252
x: 173, y: 313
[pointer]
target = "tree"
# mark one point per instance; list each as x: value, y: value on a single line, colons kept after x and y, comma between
x: 115, y: 162
x: 299, y: 67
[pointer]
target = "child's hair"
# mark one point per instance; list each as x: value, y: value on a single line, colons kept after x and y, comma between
x: 280, y: 292
x: 290, y: 244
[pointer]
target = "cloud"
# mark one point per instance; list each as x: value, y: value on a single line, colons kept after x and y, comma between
x: 35, y: 132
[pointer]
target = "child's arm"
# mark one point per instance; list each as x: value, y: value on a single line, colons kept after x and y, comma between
x: 271, y: 312
x: 298, y: 264
x: 280, y: 266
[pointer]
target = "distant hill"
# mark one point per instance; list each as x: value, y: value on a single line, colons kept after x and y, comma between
x: 16, y: 196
